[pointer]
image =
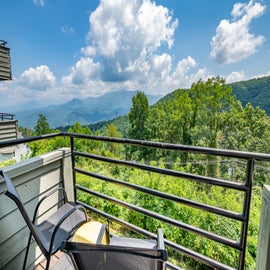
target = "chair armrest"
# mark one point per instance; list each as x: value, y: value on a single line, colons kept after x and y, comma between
x: 48, y: 195
x: 63, y: 218
x: 161, y: 245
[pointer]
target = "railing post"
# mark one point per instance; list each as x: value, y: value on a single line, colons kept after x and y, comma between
x: 263, y: 251
x: 246, y: 211
x: 73, y: 166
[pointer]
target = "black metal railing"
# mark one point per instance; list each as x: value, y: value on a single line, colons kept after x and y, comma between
x: 244, y: 187
x: 6, y: 116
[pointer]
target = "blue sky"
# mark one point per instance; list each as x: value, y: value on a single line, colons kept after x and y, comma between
x: 68, y: 49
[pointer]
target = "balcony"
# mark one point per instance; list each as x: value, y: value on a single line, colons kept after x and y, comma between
x: 129, y: 195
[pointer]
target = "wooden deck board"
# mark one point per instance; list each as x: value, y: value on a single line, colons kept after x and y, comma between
x: 59, y: 261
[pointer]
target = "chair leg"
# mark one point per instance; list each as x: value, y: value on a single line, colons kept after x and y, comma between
x: 48, y: 262
x: 73, y: 261
x: 27, y: 251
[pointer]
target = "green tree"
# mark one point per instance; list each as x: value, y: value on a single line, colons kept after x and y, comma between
x: 112, y: 131
x: 138, y: 116
x: 26, y: 132
x: 212, y: 100
x: 42, y: 126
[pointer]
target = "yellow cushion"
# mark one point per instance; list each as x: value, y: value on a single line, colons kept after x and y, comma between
x: 91, y: 232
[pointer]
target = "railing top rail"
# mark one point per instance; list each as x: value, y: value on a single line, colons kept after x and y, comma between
x: 6, y: 116
x: 27, y: 140
x: 169, y: 146
x: 179, y: 147
x: 2, y: 42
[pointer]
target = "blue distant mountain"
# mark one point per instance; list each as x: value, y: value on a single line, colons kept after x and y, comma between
x: 86, y: 111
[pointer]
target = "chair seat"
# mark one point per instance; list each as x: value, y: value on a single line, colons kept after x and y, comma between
x: 67, y: 228
x: 133, y: 242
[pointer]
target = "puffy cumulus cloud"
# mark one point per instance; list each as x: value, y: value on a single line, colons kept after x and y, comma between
x: 125, y: 33
x: 184, y: 66
x: 123, y: 51
x: 160, y: 76
x: 20, y: 96
x: 233, y: 40
x: 183, y: 77
x: 236, y: 76
x: 134, y: 26
x: 85, y: 70
x: 39, y: 78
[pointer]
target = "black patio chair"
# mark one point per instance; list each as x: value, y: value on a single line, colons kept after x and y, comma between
x: 122, y: 253
x: 57, y: 228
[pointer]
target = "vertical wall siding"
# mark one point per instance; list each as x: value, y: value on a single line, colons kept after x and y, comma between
x: 8, y: 130
x: 263, y: 252
x: 32, y: 178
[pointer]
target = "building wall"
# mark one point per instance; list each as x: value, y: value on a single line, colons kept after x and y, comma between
x: 263, y: 251
x: 32, y: 178
x: 5, y: 66
x: 8, y: 130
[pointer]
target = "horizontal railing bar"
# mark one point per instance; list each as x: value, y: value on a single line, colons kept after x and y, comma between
x: 193, y: 177
x: 201, y: 206
x: 172, y: 266
x: 30, y: 139
x: 179, y: 248
x: 197, y: 256
x: 126, y: 225
x: 198, y: 231
x: 177, y: 147
x: 119, y: 221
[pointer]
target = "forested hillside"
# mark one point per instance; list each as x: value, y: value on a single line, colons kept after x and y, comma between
x: 255, y: 91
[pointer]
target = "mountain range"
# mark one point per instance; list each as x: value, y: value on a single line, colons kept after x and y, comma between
x: 114, y: 104
x: 86, y: 111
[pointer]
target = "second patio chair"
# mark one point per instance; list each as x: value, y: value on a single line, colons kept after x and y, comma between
x: 122, y: 253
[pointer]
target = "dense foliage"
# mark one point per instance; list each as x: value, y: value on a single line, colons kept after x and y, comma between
x: 207, y: 115
x: 254, y: 91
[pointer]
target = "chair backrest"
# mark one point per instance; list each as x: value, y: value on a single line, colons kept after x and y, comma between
x: 13, y: 194
x: 113, y: 257
x: 117, y: 256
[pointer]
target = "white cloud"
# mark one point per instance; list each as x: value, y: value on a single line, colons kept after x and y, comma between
x: 124, y: 50
x: 124, y: 39
x: 85, y: 70
x: 39, y: 2
x: 262, y: 75
x: 67, y: 30
x: 89, y: 51
x: 126, y: 33
x: 184, y: 66
x: 233, y: 40
x: 236, y: 76
x: 39, y: 78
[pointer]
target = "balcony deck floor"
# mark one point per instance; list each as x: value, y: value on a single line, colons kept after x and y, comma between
x: 60, y: 261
